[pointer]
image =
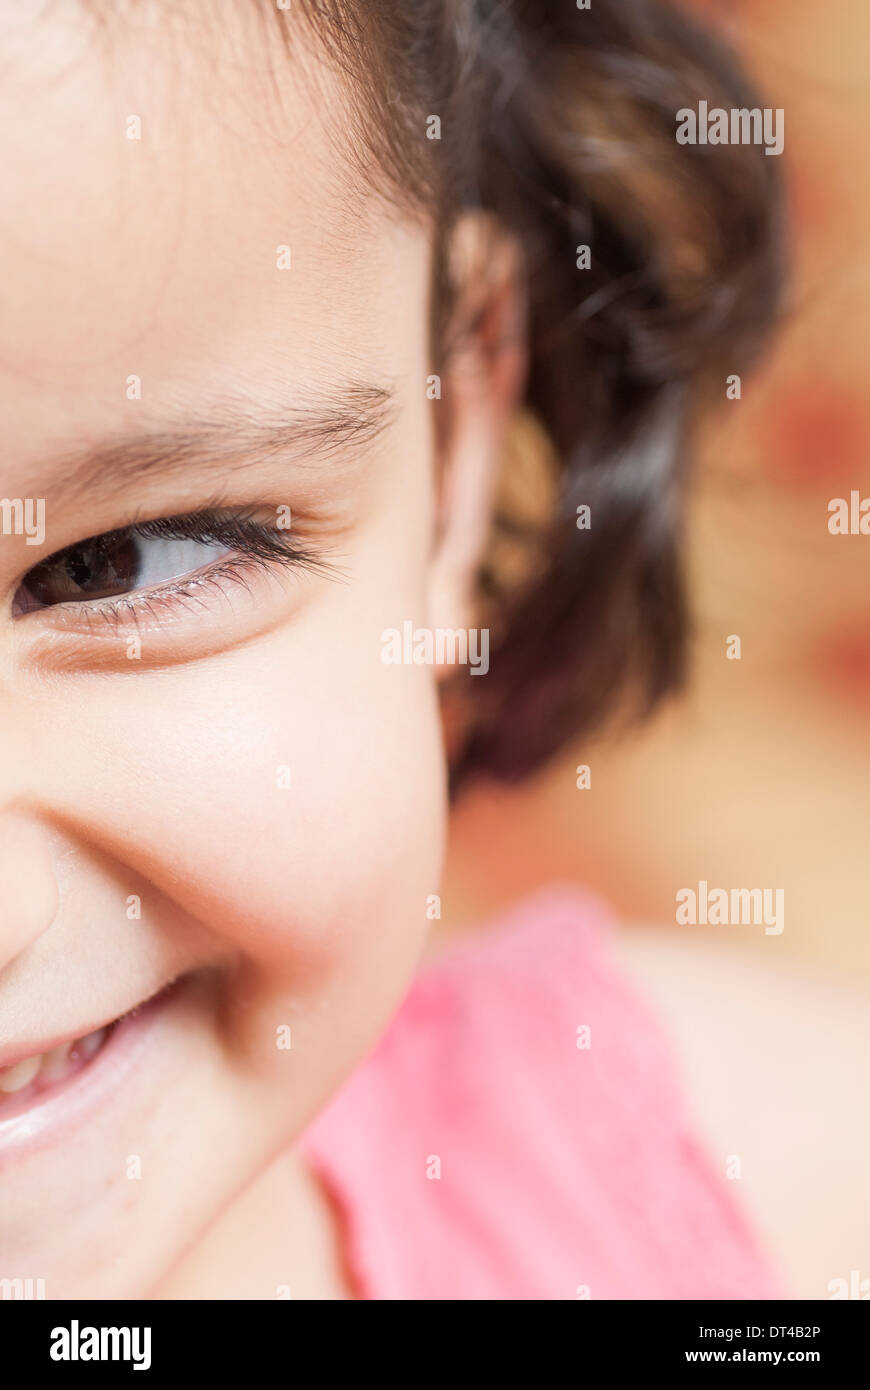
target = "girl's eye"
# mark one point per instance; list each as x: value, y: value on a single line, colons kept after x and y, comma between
x: 112, y: 565
x: 162, y: 570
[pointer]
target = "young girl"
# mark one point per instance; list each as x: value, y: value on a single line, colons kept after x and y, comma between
x: 348, y: 355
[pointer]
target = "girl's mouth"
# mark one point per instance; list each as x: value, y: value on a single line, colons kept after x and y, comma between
x: 24, y: 1082
x: 41, y: 1095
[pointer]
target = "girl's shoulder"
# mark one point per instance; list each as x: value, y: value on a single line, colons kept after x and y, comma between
x: 519, y: 1133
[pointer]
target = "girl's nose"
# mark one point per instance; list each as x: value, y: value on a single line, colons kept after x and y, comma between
x: 28, y: 884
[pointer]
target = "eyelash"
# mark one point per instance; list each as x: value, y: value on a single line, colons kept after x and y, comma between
x: 253, y: 544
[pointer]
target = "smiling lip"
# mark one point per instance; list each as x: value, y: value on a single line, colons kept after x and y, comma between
x: 13, y: 1054
x: 43, y: 1115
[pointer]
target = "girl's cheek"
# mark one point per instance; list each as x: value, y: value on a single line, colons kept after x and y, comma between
x: 288, y: 797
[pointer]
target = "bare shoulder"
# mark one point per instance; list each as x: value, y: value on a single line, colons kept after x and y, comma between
x: 775, y: 1060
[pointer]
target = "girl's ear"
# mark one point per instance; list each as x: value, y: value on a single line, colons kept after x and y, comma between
x: 482, y: 385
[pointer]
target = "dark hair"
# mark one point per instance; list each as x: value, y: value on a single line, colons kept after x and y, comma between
x: 561, y: 122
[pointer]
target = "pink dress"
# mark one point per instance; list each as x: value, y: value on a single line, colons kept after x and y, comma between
x: 518, y: 1134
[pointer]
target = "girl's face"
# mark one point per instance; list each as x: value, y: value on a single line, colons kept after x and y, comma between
x: 216, y: 781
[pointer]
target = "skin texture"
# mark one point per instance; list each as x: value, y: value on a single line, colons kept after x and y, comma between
x: 159, y: 776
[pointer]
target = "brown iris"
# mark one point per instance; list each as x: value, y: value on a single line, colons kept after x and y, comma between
x: 101, y: 568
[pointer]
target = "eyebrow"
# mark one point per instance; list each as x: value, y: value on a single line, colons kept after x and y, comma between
x: 239, y: 435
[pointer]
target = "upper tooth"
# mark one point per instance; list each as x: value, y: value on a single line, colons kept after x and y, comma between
x: 53, y: 1063
x: 17, y: 1077
x: 89, y: 1045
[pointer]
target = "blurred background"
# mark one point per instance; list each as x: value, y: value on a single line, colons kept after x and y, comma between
x: 759, y: 775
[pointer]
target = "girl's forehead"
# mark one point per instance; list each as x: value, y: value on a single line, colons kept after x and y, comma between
x: 168, y: 214
x: 124, y: 160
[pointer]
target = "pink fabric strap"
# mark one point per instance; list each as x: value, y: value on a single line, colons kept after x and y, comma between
x: 479, y: 1152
